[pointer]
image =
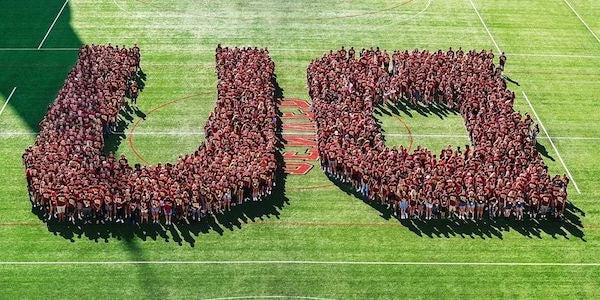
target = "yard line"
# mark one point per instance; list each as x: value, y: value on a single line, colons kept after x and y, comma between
x: 269, y: 297
x: 52, y: 25
x: 199, y: 133
x: 39, y: 49
x: 7, y: 99
x: 582, y: 21
x: 485, y: 26
x: 552, y: 143
x: 591, y: 56
x: 300, y: 262
x: 555, y: 55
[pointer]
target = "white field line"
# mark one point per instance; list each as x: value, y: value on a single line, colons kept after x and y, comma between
x: 419, y: 13
x: 485, y: 26
x: 199, y: 133
x: 552, y: 143
x: 300, y: 262
x: 404, y: 19
x: 52, y: 25
x: 40, y: 49
x: 557, y: 55
x: 7, y: 99
x: 119, y: 6
x: 269, y: 297
x: 582, y: 21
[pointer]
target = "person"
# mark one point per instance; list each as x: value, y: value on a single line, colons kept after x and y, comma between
x: 452, y: 207
x: 120, y: 211
x: 134, y: 212
x: 544, y: 206
x: 97, y: 215
x: 519, y: 209
x: 87, y: 211
x: 444, y: 209
x: 502, y: 60
x: 480, y: 207
x: 168, y: 211
x: 462, y: 208
x: 53, y: 207
x: 428, y: 209
x: 508, y: 207
x: 71, y: 210
x: 109, y: 209
x: 195, y: 210
x: 155, y: 211
x: 61, y: 204
x: 403, y: 209
x: 471, y: 208
x: 143, y: 212
x: 493, y: 208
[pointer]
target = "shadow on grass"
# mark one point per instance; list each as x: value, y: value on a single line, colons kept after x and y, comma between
x: 181, y: 232
x: 569, y: 226
x: 38, y: 75
x: 403, y: 107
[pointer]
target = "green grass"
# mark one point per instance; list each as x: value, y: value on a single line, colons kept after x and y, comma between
x: 551, y: 54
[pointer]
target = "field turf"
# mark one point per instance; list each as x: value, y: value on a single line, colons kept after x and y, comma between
x: 553, y: 53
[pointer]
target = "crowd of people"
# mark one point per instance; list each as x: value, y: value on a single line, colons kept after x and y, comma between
x: 72, y: 180
x: 500, y: 175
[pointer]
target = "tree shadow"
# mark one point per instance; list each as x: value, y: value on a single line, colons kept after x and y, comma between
x: 179, y: 232
x: 38, y: 75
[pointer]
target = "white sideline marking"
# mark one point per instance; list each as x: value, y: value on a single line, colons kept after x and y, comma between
x: 582, y: 21
x: 270, y: 297
x: 52, y: 25
x: 485, y: 26
x: 7, y: 99
x: 298, y: 262
x: 199, y: 133
x: 552, y: 143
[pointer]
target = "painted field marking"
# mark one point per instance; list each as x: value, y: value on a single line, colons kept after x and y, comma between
x: 7, y: 99
x: 552, y: 143
x: 39, y: 49
x: 557, y: 55
x: 52, y: 25
x: 300, y: 262
x: 199, y: 133
x: 270, y: 297
x: 582, y: 21
x: 485, y: 26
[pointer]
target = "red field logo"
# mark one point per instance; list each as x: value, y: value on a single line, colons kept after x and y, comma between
x: 301, y: 133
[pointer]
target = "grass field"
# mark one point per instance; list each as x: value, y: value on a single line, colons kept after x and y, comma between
x: 554, y: 54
